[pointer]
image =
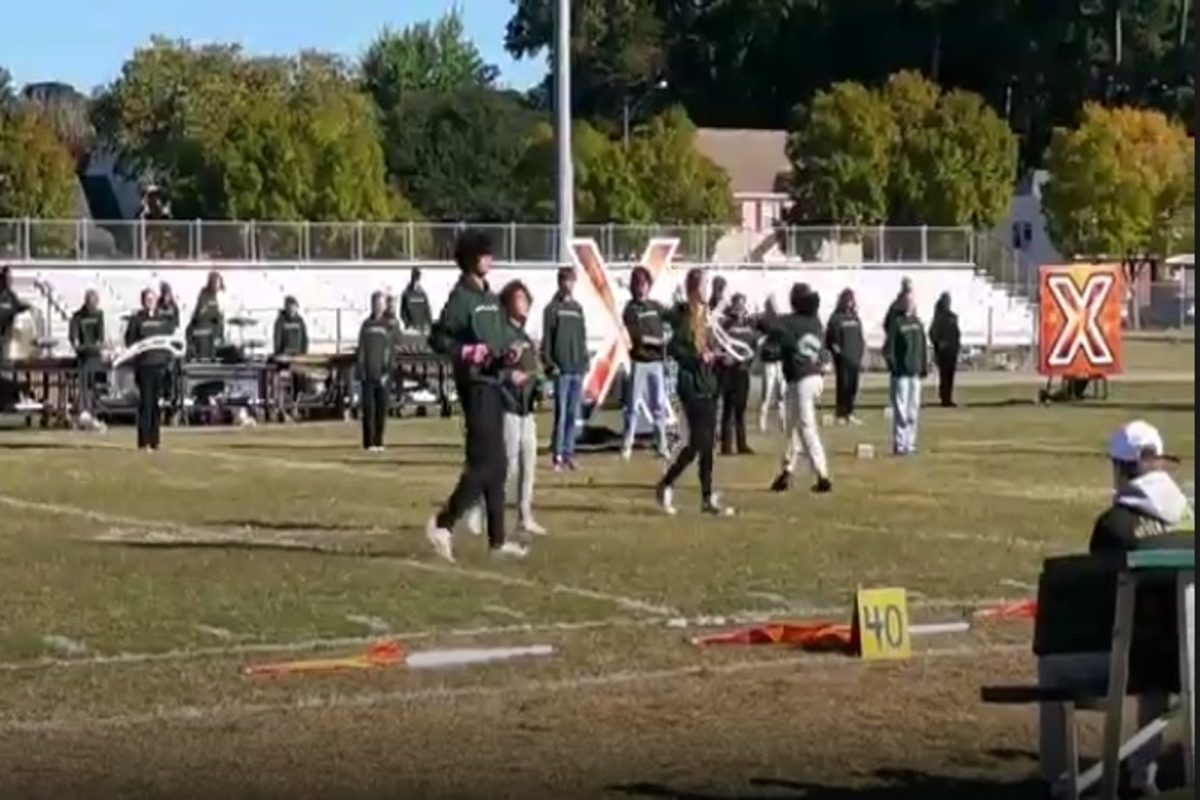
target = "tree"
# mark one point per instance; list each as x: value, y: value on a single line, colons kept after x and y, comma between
x: 455, y: 153
x: 423, y: 58
x: 679, y: 184
x: 954, y: 160
x: 37, y: 174
x: 66, y: 111
x: 1118, y: 185
x: 7, y: 95
x: 840, y: 154
x: 246, y: 138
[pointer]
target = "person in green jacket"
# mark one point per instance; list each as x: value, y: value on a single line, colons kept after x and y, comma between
x: 376, y: 355
x: 11, y: 305
x: 772, y: 387
x: 206, y: 331
x: 565, y: 354
x: 946, y: 339
x: 521, y: 389
x: 844, y: 341
x: 735, y: 376
x: 644, y: 324
x: 799, y: 335
x: 698, y: 389
x: 907, y: 361
x: 87, y: 335
x: 471, y: 332
x: 415, y: 311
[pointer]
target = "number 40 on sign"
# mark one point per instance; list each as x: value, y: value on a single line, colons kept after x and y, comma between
x: 881, y: 622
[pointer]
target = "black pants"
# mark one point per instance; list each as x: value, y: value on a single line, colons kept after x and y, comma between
x: 91, y: 373
x: 846, y: 392
x: 375, y: 402
x: 487, y: 461
x: 701, y: 413
x: 947, y: 364
x: 151, y: 380
x: 735, y: 393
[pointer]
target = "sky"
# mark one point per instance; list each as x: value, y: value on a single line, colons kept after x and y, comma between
x: 85, y: 42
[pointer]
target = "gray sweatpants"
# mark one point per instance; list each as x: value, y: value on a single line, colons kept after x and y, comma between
x: 520, y: 444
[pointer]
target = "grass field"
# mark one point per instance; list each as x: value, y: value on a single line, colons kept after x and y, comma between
x: 136, y: 587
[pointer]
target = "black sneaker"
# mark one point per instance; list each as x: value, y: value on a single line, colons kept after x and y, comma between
x: 782, y: 483
x: 823, y: 486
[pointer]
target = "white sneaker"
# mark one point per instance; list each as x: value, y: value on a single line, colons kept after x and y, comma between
x: 532, y: 528
x: 855, y: 421
x: 510, y: 550
x: 714, y: 507
x: 626, y: 453
x: 440, y: 538
x: 474, y: 523
x: 666, y: 499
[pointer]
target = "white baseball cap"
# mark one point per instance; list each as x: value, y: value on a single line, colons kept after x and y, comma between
x: 1136, y: 440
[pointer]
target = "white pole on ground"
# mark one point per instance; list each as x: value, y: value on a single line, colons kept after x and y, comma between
x: 562, y: 129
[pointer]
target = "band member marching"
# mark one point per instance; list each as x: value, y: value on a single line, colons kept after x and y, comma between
x: 946, y: 339
x: 86, y: 332
x: 643, y: 320
x: 735, y: 377
x: 520, y: 386
x: 151, y: 369
x: 471, y: 331
x: 844, y: 340
x: 698, y: 388
x: 415, y: 311
x: 799, y: 335
x: 565, y: 355
x: 376, y: 355
x: 290, y: 340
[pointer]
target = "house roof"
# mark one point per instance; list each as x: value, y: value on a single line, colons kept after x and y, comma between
x: 756, y: 160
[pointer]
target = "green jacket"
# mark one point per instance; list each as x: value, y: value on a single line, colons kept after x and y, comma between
x: 800, y: 344
x: 415, y: 312
x: 520, y: 399
x: 944, y: 334
x: 10, y: 306
x: 906, y: 354
x: 644, y: 321
x: 168, y: 310
x: 86, y: 332
x: 564, y: 337
x: 143, y: 326
x: 376, y: 349
x: 291, y: 335
x: 695, y: 376
x: 844, y: 337
x: 471, y: 316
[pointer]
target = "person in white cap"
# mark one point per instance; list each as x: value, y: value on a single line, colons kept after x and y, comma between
x: 1147, y: 503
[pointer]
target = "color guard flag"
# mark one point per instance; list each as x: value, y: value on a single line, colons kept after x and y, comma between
x: 1080, y: 330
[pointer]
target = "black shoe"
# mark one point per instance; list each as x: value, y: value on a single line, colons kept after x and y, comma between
x: 823, y: 486
x: 745, y: 450
x: 726, y: 451
x: 782, y: 483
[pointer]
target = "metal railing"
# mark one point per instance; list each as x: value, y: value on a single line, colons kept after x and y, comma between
x: 37, y: 240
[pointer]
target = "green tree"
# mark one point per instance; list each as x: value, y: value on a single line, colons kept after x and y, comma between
x: 455, y: 153
x: 37, y: 173
x: 679, y: 184
x: 913, y: 101
x: 841, y: 157
x: 423, y: 58
x: 1121, y: 186
x: 67, y: 112
x: 246, y: 138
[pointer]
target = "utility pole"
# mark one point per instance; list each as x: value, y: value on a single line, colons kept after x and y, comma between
x: 565, y: 173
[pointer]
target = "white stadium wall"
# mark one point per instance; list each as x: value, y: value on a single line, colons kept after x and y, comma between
x: 334, y: 298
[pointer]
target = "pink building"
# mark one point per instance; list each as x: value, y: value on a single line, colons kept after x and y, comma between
x: 757, y: 164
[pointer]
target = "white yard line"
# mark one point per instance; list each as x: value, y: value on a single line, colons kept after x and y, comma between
x: 815, y: 663
x: 65, y: 645
x: 373, y: 624
x: 503, y: 611
x: 216, y: 633
x: 949, y: 536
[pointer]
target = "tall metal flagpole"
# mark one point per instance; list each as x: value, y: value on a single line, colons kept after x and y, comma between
x: 562, y: 108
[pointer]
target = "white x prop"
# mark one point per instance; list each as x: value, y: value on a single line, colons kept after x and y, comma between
x: 613, y: 355
x: 1081, y: 309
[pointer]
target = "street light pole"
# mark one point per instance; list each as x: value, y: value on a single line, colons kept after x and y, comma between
x: 627, y: 109
x: 562, y: 130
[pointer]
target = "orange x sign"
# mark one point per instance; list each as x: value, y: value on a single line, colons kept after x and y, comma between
x: 1081, y: 320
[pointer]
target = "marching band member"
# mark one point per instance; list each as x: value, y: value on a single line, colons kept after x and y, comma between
x: 390, y: 316
x: 290, y: 339
x: 907, y: 362
x: 800, y: 338
x: 168, y: 306
x: 376, y: 355
x: 10, y: 306
x: 565, y: 354
x: 519, y: 384
x: 150, y: 369
x: 643, y: 320
x: 471, y: 331
x: 735, y: 378
x: 86, y: 332
x: 206, y: 331
x: 844, y: 340
x: 698, y: 389
x: 946, y: 338
x: 415, y: 311
x: 772, y: 369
